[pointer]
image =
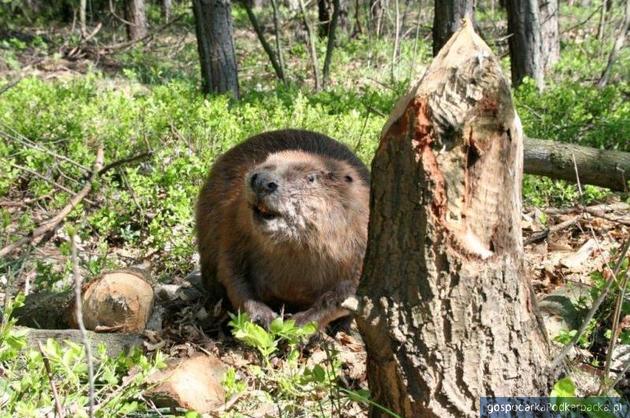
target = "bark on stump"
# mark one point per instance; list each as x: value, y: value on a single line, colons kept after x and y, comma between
x: 446, y: 311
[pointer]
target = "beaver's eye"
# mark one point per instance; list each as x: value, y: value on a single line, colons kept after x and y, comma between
x: 311, y: 178
x: 348, y: 179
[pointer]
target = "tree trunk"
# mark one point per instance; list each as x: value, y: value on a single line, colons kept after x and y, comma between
x: 619, y: 41
x: 445, y: 308
x: 215, y: 43
x: 330, y: 47
x: 525, y: 41
x: 377, y: 10
x: 550, y: 38
x: 603, y: 168
x: 311, y: 44
x: 323, y: 17
x: 82, y: 17
x: 279, y: 70
x: 136, y: 18
x: 167, y: 7
x: 447, y: 19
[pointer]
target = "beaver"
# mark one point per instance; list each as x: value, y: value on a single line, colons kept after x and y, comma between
x: 282, y: 226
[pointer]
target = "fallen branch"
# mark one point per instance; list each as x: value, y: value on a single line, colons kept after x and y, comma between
x: 541, y: 235
x: 52, y: 223
x: 599, y: 211
x: 125, y: 161
x: 603, y: 168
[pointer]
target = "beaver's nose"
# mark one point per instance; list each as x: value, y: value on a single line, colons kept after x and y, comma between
x: 263, y: 183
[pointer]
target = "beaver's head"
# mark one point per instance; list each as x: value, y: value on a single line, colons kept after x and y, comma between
x: 300, y: 197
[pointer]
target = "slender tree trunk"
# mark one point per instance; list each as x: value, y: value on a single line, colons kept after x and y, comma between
x: 311, y: 42
x: 215, y: 43
x: 377, y: 11
x: 323, y: 15
x: 525, y: 41
x: 82, y: 18
x: 447, y: 19
x: 261, y: 37
x: 619, y: 41
x: 550, y: 38
x: 136, y: 18
x: 357, y: 18
x: 167, y: 7
x: 276, y: 28
x: 601, y: 28
x: 331, y: 42
x: 444, y: 307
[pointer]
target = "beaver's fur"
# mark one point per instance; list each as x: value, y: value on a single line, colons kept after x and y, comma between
x: 282, y: 226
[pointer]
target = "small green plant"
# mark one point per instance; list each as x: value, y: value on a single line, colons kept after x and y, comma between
x: 283, y: 378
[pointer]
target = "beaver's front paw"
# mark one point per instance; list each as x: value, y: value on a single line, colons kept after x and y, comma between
x: 306, y: 317
x: 260, y: 313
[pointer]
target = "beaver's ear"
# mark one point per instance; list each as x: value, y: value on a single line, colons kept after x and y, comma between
x: 348, y: 178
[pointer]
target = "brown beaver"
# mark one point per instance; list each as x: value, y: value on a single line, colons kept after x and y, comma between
x: 282, y: 226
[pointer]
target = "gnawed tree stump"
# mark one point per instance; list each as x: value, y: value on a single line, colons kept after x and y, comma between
x: 445, y: 309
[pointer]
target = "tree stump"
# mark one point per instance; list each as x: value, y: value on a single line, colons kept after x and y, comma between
x: 445, y: 309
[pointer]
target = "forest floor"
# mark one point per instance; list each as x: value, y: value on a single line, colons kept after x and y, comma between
x: 60, y: 99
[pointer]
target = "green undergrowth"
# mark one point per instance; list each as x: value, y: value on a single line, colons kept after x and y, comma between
x: 147, y: 205
x: 29, y: 373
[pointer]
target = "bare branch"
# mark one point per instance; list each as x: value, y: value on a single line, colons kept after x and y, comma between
x: 53, y: 387
x: 61, y: 215
x: 79, y: 317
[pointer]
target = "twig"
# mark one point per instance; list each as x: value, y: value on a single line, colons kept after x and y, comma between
x: 620, y: 376
x: 42, y: 177
x: 16, y: 136
x: 582, y: 22
x: 615, y: 331
x: 53, y: 388
x: 539, y: 236
x: 10, y: 84
x: 577, y: 176
x: 125, y: 161
x: 56, y: 220
x: 123, y: 45
x: 593, y: 310
x: 79, y: 317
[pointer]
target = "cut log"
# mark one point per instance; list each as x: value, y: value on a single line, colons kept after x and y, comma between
x: 610, y: 169
x: 119, y: 301
x: 446, y: 311
x: 193, y: 383
x: 115, y: 344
